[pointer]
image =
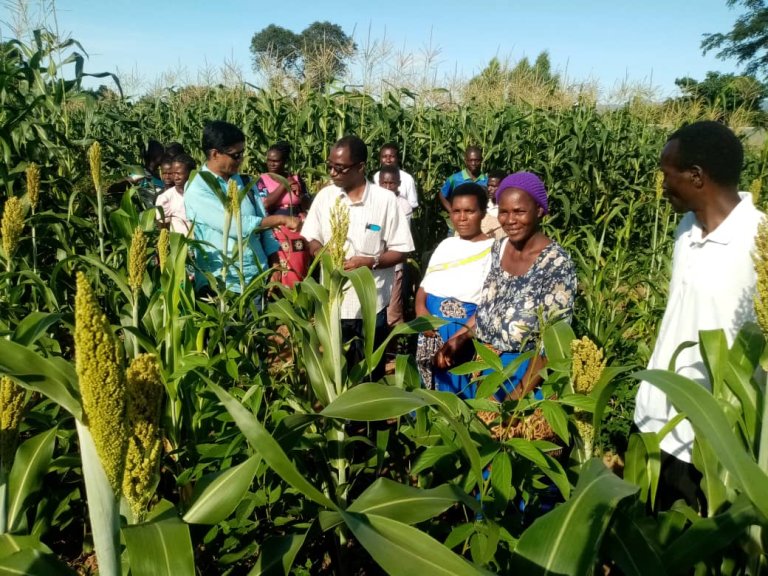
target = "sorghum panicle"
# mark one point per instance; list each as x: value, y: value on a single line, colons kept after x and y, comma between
x: 94, y: 159
x: 755, y: 188
x: 659, y: 185
x: 137, y: 260
x: 12, y: 225
x: 33, y: 185
x: 102, y: 381
x: 12, y: 400
x: 587, y: 365
x: 760, y: 259
x: 233, y: 193
x: 145, y: 392
x: 163, y: 246
x: 339, y: 231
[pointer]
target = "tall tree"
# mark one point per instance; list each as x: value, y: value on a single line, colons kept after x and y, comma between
x: 318, y: 54
x: 747, y: 41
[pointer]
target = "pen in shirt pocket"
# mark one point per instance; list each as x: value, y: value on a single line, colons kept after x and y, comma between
x: 373, y: 227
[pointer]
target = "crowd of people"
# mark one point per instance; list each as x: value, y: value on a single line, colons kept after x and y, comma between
x: 495, y: 279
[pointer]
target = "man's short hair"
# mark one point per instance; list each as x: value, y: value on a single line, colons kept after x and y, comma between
x: 473, y: 148
x: 393, y: 171
x: 358, y: 151
x: 390, y: 146
x: 497, y: 174
x: 218, y: 135
x: 713, y: 147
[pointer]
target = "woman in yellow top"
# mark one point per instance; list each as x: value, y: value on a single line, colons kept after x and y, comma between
x: 453, y: 283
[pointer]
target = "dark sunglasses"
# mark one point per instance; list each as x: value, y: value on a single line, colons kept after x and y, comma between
x: 236, y: 156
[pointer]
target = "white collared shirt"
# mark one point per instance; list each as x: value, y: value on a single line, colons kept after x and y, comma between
x: 712, y: 286
x: 376, y: 224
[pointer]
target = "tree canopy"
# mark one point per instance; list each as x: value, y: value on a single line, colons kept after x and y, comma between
x: 317, y: 54
x: 727, y: 92
x: 747, y: 41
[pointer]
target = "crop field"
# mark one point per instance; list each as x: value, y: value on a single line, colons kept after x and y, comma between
x: 144, y: 431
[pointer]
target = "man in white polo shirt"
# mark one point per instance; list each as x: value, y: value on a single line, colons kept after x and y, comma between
x: 712, y: 285
x: 379, y: 236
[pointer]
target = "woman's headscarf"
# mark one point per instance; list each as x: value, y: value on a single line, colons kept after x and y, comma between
x: 529, y: 183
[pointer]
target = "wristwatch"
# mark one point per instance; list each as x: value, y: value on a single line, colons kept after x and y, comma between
x: 375, y: 262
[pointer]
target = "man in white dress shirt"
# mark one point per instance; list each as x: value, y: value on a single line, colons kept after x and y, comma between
x: 379, y: 236
x: 712, y: 284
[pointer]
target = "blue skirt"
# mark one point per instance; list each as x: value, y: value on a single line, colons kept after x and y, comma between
x: 456, y: 313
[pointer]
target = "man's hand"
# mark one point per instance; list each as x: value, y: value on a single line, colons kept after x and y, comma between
x: 359, y: 262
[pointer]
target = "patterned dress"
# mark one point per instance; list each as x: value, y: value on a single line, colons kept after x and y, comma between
x: 510, y: 306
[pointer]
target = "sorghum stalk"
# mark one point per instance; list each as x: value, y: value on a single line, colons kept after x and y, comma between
x: 233, y: 193
x: 102, y: 433
x: 11, y: 226
x: 33, y: 193
x: 145, y: 393
x: 231, y: 185
x: 94, y: 159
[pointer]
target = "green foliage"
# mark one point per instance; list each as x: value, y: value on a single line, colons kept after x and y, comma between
x: 277, y: 455
x: 747, y: 41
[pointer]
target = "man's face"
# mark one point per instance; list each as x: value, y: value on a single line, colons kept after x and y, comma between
x: 390, y: 181
x: 226, y: 162
x: 474, y: 160
x: 345, y: 173
x: 388, y: 157
x: 180, y: 175
x: 679, y: 184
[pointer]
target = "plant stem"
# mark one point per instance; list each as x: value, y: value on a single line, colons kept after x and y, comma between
x: 103, y: 509
x: 100, y: 210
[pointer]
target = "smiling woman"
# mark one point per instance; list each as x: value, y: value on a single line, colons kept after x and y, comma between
x: 531, y: 279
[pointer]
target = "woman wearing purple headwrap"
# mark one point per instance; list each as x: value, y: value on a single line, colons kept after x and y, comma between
x: 531, y: 277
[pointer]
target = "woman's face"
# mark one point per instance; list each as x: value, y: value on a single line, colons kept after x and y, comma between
x: 519, y: 215
x: 275, y: 162
x: 466, y: 216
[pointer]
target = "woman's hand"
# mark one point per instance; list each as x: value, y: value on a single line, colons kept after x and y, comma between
x: 292, y: 223
x: 444, y: 358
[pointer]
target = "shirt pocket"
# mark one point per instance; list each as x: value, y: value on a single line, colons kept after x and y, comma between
x: 371, y: 244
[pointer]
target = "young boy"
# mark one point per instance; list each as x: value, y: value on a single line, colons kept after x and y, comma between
x: 389, y: 179
x: 490, y: 224
x: 166, y: 171
x: 172, y: 200
x: 389, y: 155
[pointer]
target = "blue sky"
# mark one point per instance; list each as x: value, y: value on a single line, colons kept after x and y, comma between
x: 650, y: 42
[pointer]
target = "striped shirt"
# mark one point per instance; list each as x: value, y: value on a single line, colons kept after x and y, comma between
x: 376, y: 225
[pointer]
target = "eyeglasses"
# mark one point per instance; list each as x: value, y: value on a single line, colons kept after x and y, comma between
x: 236, y: 156
x: 339, y: 169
